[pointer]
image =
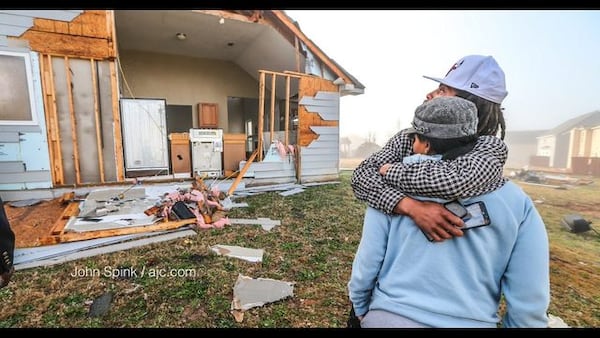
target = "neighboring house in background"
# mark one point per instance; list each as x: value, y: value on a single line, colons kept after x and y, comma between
x: 522, y: 145
x: 573, y: 145
x: 92, y: 96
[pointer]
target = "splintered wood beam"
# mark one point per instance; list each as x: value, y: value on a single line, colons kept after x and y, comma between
x: 82, y: 236
x: 72, y: 209
x: 242, y: 173
x: 261, y: 113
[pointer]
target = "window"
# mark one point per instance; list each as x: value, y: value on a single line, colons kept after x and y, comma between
x: 16, y: 89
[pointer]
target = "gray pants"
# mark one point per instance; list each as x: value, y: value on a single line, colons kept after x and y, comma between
x: 381, y: 319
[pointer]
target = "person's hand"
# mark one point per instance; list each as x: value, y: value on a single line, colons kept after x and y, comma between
x: 432, y: 218
x: 384, y: 168
x: 6, y: 276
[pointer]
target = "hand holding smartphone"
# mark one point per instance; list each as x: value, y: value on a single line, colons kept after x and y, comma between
x: 474, y: 215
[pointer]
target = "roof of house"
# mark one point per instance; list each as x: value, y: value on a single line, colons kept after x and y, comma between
x: 588, y: 120
x: 294, y: 27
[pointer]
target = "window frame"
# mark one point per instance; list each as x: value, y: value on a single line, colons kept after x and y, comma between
x: 29, y: 74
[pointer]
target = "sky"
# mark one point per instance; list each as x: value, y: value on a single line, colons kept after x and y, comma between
x: 551, y: 60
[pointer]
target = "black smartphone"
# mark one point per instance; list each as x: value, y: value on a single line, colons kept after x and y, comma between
x: 478, y: 216
x: 474, y: 215
x: 456, y: 208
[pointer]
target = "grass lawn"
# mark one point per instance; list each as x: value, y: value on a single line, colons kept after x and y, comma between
x: 313, y: 247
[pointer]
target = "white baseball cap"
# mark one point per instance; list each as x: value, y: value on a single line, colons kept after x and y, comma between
x: 477, y: 74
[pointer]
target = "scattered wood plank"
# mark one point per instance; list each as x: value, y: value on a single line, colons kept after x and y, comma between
x: 71, y: 210
x: 81, y: 236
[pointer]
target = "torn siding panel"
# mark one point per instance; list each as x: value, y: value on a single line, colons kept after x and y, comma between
x: 267, y: 175
x: 28, y: 144
x: 325, y: 104
x: 320, y: 160
x: 315, y: 173
x: 249, y: 292
x: 62, y: 15
x: 247, y: 254
x: 271, y: 172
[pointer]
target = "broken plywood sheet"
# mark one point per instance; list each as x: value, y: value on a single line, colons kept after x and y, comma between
x: 252, y: 292
x: 108, y: 222
x: 247, y: 254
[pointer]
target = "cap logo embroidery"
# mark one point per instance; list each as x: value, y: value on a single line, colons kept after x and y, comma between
x: 456, y: 65
x: 474, y: 85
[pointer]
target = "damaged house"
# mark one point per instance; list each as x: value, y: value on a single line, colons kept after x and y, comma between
x: 94, y: 97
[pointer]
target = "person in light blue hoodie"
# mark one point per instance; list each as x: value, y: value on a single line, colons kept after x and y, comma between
x: 402, y: 279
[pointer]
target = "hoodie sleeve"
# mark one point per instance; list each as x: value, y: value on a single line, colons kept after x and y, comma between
x: 7, y: 241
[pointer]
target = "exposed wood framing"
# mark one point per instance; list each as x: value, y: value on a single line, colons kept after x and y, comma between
x: 261, y: 113
x: 116, y: 123
x: 310, y: 86
x: 272, y: 115
x: 53, y: 133
x: 261, y: 97
x: 297, y: 45
x: 252, y: 17
x: 111, y: 32
x: 287, y: 111
x: 73, y: 121
x: 97, y: 119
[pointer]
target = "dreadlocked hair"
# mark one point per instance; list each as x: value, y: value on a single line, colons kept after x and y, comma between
x: 490, y: 115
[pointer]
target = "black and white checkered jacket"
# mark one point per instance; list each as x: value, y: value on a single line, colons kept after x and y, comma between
x: 475, y: 173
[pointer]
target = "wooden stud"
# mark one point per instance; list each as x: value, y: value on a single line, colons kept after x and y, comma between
x: 296, y: 44
x: 272, y: 115
x: 54, y: 130
x: 97, y: 119
x: 116, y: 123
x: 261, y: 112
x: 287, y: 110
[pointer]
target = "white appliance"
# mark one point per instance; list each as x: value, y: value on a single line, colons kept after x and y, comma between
x: 207, y: 152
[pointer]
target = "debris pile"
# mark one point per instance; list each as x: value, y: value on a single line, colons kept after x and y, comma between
x: 199, y: 202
